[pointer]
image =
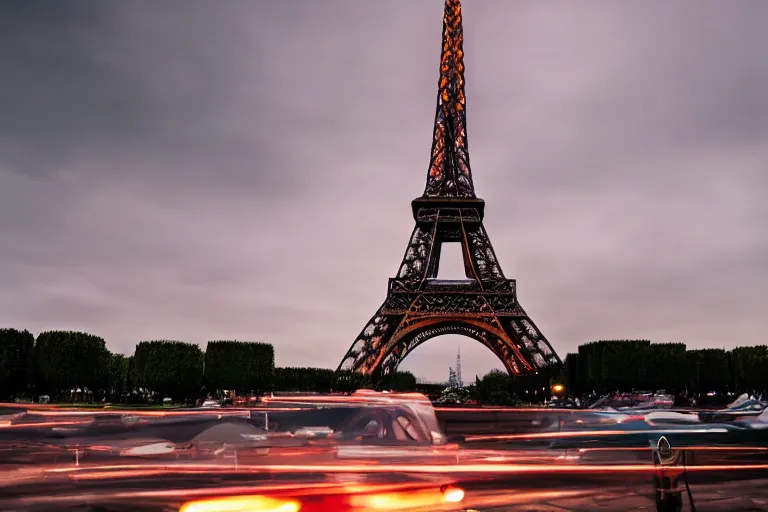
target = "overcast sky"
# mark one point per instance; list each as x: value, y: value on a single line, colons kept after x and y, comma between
x: 199, y: 170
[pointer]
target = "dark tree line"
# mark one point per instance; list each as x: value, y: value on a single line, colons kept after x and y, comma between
x: 16, y: 362
x: 70, y: 360
x: 239, y: 365
x: 76, y: 366
x: 173, y: 368
x: 626, y: 365
x: 55, y: 362
x: 323, y: 380
x: 497, y: 388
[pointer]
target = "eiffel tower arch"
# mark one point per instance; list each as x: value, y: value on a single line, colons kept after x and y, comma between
x: 419, y: 306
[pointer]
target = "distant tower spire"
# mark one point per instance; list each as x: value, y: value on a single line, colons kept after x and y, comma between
x: 449, y: 172
x: 458, y: 368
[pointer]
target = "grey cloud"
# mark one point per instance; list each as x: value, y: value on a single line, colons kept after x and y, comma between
x: 245, y: 169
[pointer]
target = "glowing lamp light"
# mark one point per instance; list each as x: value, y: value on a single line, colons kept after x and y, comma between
x: 557, y: 388
x: 241, y: 504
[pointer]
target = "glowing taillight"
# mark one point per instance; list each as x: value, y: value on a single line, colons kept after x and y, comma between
x: 406, y: 500
x: 241, y: 504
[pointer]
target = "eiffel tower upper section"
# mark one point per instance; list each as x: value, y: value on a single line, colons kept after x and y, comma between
x: 450, y: 175
x: 449, y: 179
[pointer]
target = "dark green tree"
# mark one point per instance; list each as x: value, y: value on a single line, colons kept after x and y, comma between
x: 126, y: 380
x: 16, y: 362
x: 118, y: 384
x: 494, y: 389
x: 665, y: 367
x: 750, y: 368
x: 126, y: 366
x: 239, y: 365
x: 170, y: 368
x: 319, y: 380
x: 617, y: 365
x: 613, y: 365
x: 572, y: 379
x: 350, y: 381
x: 65, y: 360
x: 399, y: 381
x: 708, y: 370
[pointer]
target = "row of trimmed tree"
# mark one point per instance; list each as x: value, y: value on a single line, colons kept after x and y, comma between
x: 76, y: 366
x: 626, y: 365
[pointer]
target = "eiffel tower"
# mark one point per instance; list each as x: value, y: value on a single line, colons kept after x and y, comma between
x: 420, y: 306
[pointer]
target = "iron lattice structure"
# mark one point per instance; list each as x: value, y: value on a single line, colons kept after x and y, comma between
x: 420, y: 306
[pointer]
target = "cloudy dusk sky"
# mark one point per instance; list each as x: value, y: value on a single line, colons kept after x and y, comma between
x: 199, y: 170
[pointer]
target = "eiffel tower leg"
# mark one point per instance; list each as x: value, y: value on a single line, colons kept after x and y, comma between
x: 481, y: 253
x: 530, y: 341
x: 420, y: 257
x: 363, y: 354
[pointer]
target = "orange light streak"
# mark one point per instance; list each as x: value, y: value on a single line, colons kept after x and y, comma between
x: 42, y: 424
x: 426, y: 499
x: 301, y: 489
x: 242, y: 504
x: 390, y: 468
